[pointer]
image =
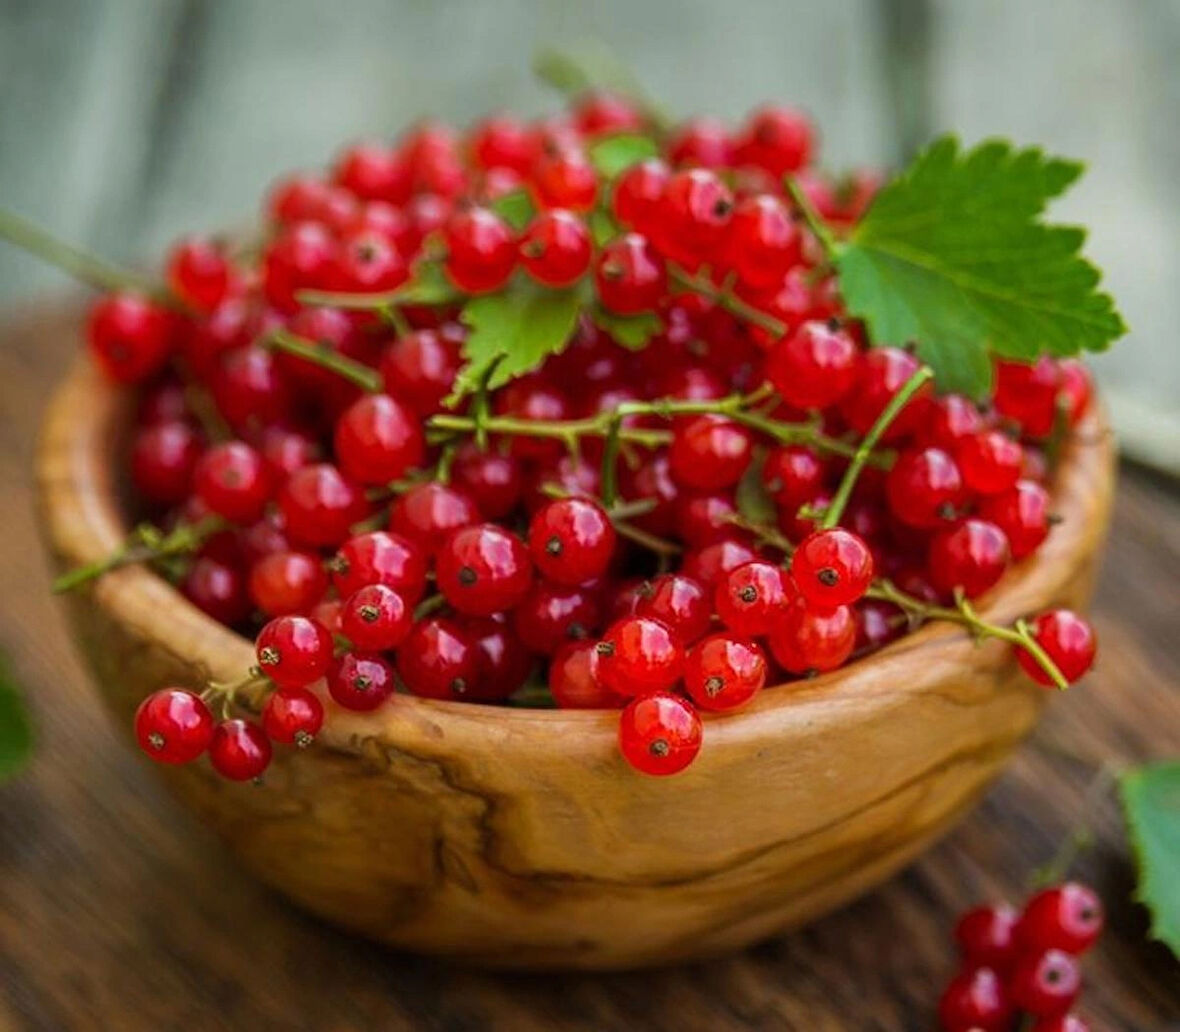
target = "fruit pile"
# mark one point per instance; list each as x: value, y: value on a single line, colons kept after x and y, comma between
x: 480, y: 413
x: 1024, y: 963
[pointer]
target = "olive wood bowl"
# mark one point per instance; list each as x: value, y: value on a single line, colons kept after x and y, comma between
x: 519, y: 838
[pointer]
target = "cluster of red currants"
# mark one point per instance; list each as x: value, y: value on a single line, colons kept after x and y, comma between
x: 1025, y: 962
x: 385, y: 551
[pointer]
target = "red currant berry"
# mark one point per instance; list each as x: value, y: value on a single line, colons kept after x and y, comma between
x: 283, y: 583
x: 500, y: 141
x: 233, y: 481
x: 555, y: 248
x: 429, y: 513
x: 949, y: 419
x: 883, y: 372
x: 173, y: 725
x: 877, y: 624
x: 199, y: 274
x: 320, y: 505
x: 297, y: 198
x: 630, y: 275
x: 293, y: 651
x: 990, y: 461
x: 680, y: 603
x: 695, y: 215
x: 971, y: 556
x: 377, y: 440
x: 217, y: 589
x: 1022, y: 513
x: 493, y: 480
x: 1067, y: 639
x: 327, y: 613
x: 534, y: 400
x: 164, y: 457
x: 709, y: 564
x: 483, y: 569
x: 924, y: 488
x: 813, y: 367
x: 439, y: 660
x: 709, y: 452
x: 293, y: 717
x: 1061, y: 1023
x: 301, y: 257
x: 552, y: 614
x: 481, y: 250
x: 975, y: 1001
x: 599, y: 113
x: 503, y: 663
x: 572, y: 540
x: 639, y: 654
x: 250, y: 389
x: 793, y: 474
x: 129, y: 337
x: 702, y: 519
x: 573, y: 678
x: 564, y: 178
x: 419, y: 369
x: 805, y: 640
x: 240, y: 750
x: 638, y: 194
x: 360, y: 680
x: 1028, y: 394
x: 379, y: 558
x: 750, y: 597
x: 832, y: 567
x: 1067, y: 917
x: 985, y: 935
x: 373, y: 171
x: 1045, y: 984
x: 722, y: 672
x: 375, y: 618
x: 764, y: 242
x: 659, y: 733
x: 704, y: 142
x: 368, y: 262
x: 1077, y: 389
x: 776, y: 139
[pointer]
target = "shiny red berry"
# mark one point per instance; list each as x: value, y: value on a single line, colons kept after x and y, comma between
x: 374, y: 171
x: 975, y: 1001
x: 990, y: 461
x: 321, y: 505
x: 792, y: 474
x: 1067, y: 917
x: 832, y: 567
x: 985, y: 935
x: 375, y: 618
x: 439, y: 660
x: 173, y: 725
x: 971, y: 557
x: 378, y: 557
x: 293, y: 651
x: 709, y: 564
x: 639, y: 654
x: 217, y: 589
x: 1061, y: 1023
x: 694, y: 216
x: 552, y: 614
x: 949, y: 419
x: 600, y: 112
x: 419, y: 368
x: 293, y: 717
x: 709, y: 452
x: 571, y: 540
x: 199, y: 273
x: 129, y: 337
x: 573, y: 678
x: 360, y: 680
x: 704, y: 142
x: 501, y: 141
x: 378, y: 439
x: 368, y: 262
x: 777, y: 139
x: 924, y: 488
x: 804, y: 640
x: 630, y: 275
x: 1027, y: 393
x: 233, y: 481
x: 723, y: 672
x: 1022, y: 513
x: 301, y: 257
x: 481, y: 250
x: 240, y: 750
x: 555, y: 249
x: 1045, y: 983
x: 750, y: 597
x: 638, y: 193
x: 283, y: 583
x: 429, y: 513
x: 815, y: 366
x: 483, y: 569
x: 659, y: 733
x: 163, y: 459
x: 883, y: 372
x: 764, y: 241
x: 564, y: 178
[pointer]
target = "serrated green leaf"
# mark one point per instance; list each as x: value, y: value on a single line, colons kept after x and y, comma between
x: 631, y: 331
x: 752, y: 499
x: 516, y: 208
x: 1151, y: 805
x: 612, y: 154
x: 953, y: 257
x: 513, y: 332
x: 16, y: 734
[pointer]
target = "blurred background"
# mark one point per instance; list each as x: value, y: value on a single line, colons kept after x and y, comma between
x: 125, y: 123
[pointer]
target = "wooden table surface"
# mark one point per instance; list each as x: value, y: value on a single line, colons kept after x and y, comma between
x: 119, y: 911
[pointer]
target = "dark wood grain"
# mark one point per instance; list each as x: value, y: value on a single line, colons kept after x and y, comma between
x: 118, y: 910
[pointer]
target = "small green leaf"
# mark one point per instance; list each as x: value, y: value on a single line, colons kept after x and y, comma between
x: 631, y: 331
x: 1151, y: 805
x: 753, y: 500
x: 953, y: 256
x: 613, y: 154
x: 516, y: 208
x: 16, y: 735
x: 603, y: 227
x: 428, y: 285
x: 513, y: 332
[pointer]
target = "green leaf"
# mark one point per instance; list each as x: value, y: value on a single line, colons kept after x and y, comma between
x: 613, y: 154
x: 513, y: 332
x: 1151, y: 805
x: 428, y: 285
x: 603, y: 227
x: 953, y: 256
x: 631, y: 331
x: 752, y: 499
x: 16, y: 735
x: 515, y: 208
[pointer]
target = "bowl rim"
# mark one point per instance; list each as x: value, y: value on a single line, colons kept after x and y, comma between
x: 82, y: 522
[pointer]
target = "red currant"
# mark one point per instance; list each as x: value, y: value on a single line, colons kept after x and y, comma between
x: 702, y: 519
x: 481, y: 250
x: 572, y: 540
x: 709, y: 452
x: 368, y: 262
x: 813, y: 367
x: 639, y: 654
x: 233, y: 481
x: 1077, y: 389
x: 1028, y: 394
x: 1045, y: 983
x: 709, y: 564
x: 776, y: 139
x: 883, y: 372
x: 552, y: 614
x: 750, y: 597
x: 792, y: 474
x: 1067, y: 917
x: 439, y: 660
x: 483, y: 569
x: 199, y: 274
x: 419, y: 369
x: 373, y: 171
x: 283, y: 583
x: 493, y: 480
x: 985, y: 935
x: 564, y: 178
x: 293, y: 651
x: 832, y: 567
x: 301, y: 257
x: 723, y: 672
x: 1061, y: 1023
x: 320, y: 505
x: 502, y: 142
x: 375, y: 618
x: 598, y: 113
x: 293, y: 717
x: 629, y: 275
x: 1022, y: 513
x: 173, y: 725
x: 573, y: 678
x: 218, y: 589
x: 164, y: 457
x: 250, y: 389
x: 377, y: 440
x: 659, y: 733
x: 555, y: 248
x: 805, y: 640
x: 129, y: 337
x: 924, y: 488
x: 379, y: 558
x: 638, y: 195
x: 239, y: 750
x: 975, y: 1001
x: 679, y: 602
x: 949, y: 419
x: 429, y: 513
x: 360, y: 680
x: 971, y: 556
x: 764, y: 241
x: 990, y: 461
x: 695, y: 215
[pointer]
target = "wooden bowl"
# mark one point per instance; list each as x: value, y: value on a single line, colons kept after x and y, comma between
x: 518, y: 838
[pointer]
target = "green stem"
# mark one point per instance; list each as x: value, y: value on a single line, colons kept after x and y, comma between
x: 354, y: 372
x: 610, y: 461
x: 82, y: 265
x: 727, y: 299
x: 815, y: 222
x: 864, y: 450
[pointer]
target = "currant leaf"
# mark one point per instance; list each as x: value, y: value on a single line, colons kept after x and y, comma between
x: 428, y: 285
x: 631, y: 331
x: 1151, y: 805
x: 612, y: 155
x: 953, y: 256
x: 16, y: 736
x: 512, y: 333
x: 516, y: 208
